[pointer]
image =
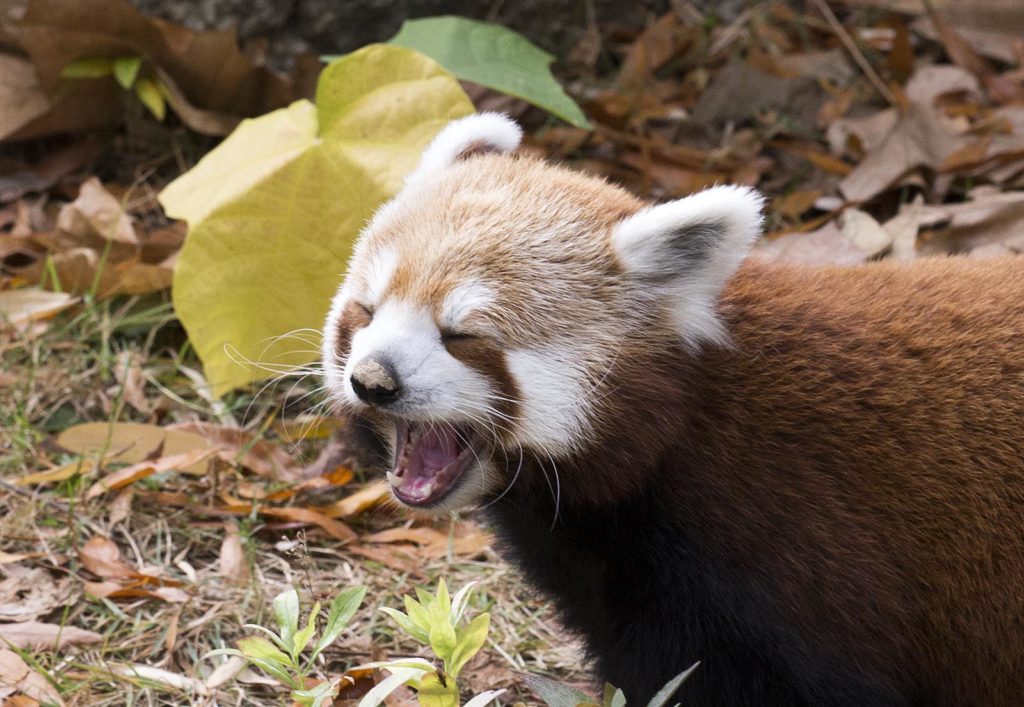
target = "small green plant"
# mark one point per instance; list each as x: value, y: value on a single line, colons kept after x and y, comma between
x: 130, y: 73
x: 436, y: 621
x: 555, y: 694
x: 281, y: 654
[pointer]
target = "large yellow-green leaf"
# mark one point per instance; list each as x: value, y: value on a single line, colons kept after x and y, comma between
x: 274, y: 210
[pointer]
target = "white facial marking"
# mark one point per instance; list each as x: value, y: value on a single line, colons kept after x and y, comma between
x: 463, y: 300
x: 435, y: 385
x: 554, y: 408
x: 380, y: 269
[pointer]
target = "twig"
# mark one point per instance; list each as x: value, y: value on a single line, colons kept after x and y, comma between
x: 856, y: 54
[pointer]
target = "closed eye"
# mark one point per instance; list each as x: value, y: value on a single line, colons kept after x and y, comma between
x: 367, y: 309
x: 451, y: 336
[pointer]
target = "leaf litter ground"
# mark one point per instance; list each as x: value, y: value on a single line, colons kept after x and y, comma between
x: 878, y: 130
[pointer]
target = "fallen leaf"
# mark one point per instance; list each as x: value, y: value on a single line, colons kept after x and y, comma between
x: 15, y: 673
x: 102, y: 557
x: 31, y: 304
x: 148, y: 673
x: 96, y: 216
x: 138, y: 589
x: 7, y: 558
x: 234, y: 567
x: 391, y: 557
x: 191, y: 459
x: 260, y: 456
x: 225, y: 672
x: 22, y: 99
x: 30, y: 592
x: 824, y: 246
x: 863, y: 231
x: 362, y: 500
x: 130, y: 442
x: 81, y: 467
x: 335, y: 528
x: 120, y: 507
x: 33, y: 635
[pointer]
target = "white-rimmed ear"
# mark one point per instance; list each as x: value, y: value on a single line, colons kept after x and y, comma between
x: 688, y: 249
x: 483, y: 132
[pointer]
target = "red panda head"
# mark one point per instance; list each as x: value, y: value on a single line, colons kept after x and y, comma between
x: 486, y: 305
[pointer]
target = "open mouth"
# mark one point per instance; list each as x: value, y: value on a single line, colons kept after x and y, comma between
x: 429, y: 462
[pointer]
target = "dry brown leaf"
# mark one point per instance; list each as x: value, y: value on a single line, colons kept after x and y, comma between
x: 138, y: 589
x: 989, y: 223
x: 392, y: 557
x: 362, y: 500
x: 83, y: 467
x: 102, y: 557
x: 258, y: 455
x: 121, y: 506
x: 15, y: 673
x: 863, y: 231
x: 468, y: 542
x: 21, y: 307
x: 191, y: 459
x: 234, y: 567
x: 30, y: 592
x: 335, y: 528
x: 130, y: 442
x: 795, y: 203
x: 211, y: 82
x: 21, y: 98
x: 826, y: 245
x: 96, y: 216
x: 175, y: 681
x: 41, y: 636
x: 7, y: 558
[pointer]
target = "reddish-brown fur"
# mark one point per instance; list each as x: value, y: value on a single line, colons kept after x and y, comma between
x: 855, y: 461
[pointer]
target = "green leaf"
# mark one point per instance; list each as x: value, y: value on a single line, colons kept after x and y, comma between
x: 419, y: 615
x: 286, y: 610
x: 491, y: 56
x: 151, y: 97
x: 407, y: 625
x: 343, y: 608
x: 88, y: 69
x: 126, y: 70
x: 270, y: 634
x: 470, y: 640
x: 665, y: 694
x: 434, y: 690
x: 256, y: 648
x: 555, y: 694
x: 276, y: 671
x: 273, y: 211
x: 442, y: 633
x: 443, y: 600
x: 318, y: 696
x: 302, y: 637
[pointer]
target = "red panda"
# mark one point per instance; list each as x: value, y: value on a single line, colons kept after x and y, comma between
x: 808, y: 479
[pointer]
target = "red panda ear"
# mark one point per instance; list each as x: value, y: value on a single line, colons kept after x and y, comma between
x: 688, y: 249
x: 483, y: 132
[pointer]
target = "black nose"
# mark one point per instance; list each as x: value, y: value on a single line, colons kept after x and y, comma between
x: 374, y: 382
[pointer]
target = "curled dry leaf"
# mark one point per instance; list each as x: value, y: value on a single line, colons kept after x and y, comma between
x: 101, y: 556
x: 33, y: 635
x: 83, y: 467
x: 191, y: 459
x: 20, y: 308
x: 361, y: 501
x: 258, y: 455
x: 233, y: 564
x: 335, y: 528
x: 30, y: 592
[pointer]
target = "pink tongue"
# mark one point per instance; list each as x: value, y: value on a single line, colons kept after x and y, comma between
x: 435, y: 449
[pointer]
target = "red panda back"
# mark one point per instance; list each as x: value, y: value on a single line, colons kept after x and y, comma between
x: 861, y: 451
